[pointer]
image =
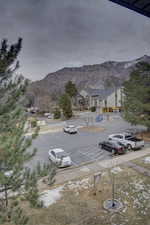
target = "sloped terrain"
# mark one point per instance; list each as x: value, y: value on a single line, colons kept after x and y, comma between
x: 96, y: 76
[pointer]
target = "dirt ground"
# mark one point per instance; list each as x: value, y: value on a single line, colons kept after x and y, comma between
x: 82, y: 204
x: 92, y: 129
x: 143, y: 162
x: 144, y: 135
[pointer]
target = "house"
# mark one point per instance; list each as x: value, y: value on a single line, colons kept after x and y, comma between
x: 103, y: 99
x: 112, y: 101
x: 81, y: 102
x: 32, y: 109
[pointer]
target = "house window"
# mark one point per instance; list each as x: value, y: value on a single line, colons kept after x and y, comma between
x: 95, y: 102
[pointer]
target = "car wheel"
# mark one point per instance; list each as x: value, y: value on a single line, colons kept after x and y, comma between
x: 129, y: 147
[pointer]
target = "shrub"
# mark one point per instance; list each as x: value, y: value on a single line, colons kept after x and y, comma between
x: 93, y: 109
x: 33, y: 123
x: 57, y: 113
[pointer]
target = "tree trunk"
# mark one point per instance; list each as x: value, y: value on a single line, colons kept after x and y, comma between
x: 6, y: 196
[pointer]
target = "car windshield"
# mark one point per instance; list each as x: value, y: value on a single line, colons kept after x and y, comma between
x: 61, y: 154
x: 128, y: 136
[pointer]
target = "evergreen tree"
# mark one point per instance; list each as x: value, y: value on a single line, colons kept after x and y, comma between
x: 13, y: 143
x: 57, y: 113
x: 70, y: 89
x: 136, y: 101
x: 65, y: 105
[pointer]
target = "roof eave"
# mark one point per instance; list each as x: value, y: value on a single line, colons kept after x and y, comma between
x: 132, y: 7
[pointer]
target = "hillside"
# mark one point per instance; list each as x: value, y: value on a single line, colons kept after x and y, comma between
x: 97, y: 76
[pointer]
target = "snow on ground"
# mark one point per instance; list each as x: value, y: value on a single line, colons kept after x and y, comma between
x: 50, y: 197
x: 138, y: 185
x: 147, y: 159
x: 79, y: 185
x: 85, y: 169
x: 116, y: 170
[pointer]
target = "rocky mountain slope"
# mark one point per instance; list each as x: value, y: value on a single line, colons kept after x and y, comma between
x: 97, y: 76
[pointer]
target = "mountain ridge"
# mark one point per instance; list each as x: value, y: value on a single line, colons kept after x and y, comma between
x: 94, y: 76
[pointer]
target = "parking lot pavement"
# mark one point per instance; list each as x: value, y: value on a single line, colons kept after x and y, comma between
x: 82, y: 147
x: 95, y: 167
x: 88, y: 154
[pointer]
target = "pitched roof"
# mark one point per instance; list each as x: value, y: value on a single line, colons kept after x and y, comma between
x: 102, y: 93
x: 140, y: 6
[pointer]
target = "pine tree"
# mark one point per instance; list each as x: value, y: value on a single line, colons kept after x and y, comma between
x: 70, y: 89
x: 13, y: 143
x: 136, y: 91
x: 65, y: 105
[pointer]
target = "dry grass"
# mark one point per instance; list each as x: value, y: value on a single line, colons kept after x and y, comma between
x: 48, y: 129
x: 144, y: 135
x: 83, y: 207
x: 141, y: 162
x: 92, y: 129
x: 80, y: 206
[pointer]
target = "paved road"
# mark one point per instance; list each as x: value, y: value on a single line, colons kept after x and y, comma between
x: 82, y: 147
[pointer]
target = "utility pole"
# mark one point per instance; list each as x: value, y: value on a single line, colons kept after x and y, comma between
x: 113, y: 190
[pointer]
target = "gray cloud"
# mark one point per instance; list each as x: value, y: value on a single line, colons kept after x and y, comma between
x: 58, y: 33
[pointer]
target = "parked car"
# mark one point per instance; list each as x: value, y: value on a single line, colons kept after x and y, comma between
x: 130, y: 141
x: 59, y: 157
x: 48, y: 115
x: 113, y: 147
x: 70, y: 129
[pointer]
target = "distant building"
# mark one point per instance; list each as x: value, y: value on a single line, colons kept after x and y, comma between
x: 104, y: 99
x: 32, y: 109
x: 81, y: 102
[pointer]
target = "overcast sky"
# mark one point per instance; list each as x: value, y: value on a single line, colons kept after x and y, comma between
x: 60, y: 33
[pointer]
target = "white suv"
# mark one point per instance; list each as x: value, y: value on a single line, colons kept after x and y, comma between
x: 70, y: 129
x: 59, y: 157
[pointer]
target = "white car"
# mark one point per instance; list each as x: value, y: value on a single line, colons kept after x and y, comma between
x: 47, y: 114
x: 59, y: 157
x: 50, y: 116
x: 130, y: 141
x: 70, y: 129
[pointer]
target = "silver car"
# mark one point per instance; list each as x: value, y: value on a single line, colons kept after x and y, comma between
x: 59, y: 157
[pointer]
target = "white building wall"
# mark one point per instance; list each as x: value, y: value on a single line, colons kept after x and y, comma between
x: 119, y: 97
x: 111, y: 99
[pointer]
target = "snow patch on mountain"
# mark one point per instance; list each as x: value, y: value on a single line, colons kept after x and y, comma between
x: 129, y: 64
